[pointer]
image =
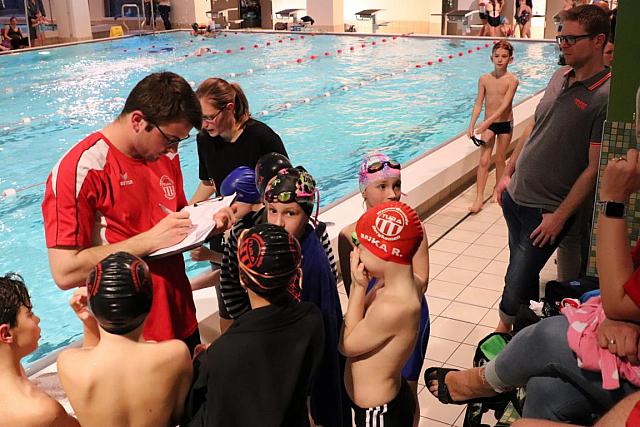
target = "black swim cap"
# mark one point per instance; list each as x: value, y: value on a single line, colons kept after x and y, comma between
x: 120, y: 292
x: 269, y: 261
x: 267, y: 167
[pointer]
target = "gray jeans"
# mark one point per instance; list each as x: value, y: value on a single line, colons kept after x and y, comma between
x: 557, y: 389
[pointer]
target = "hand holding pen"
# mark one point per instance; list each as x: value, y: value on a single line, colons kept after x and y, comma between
x: 170, y: 230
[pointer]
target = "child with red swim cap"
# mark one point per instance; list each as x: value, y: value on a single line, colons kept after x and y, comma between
x: 380, y: 329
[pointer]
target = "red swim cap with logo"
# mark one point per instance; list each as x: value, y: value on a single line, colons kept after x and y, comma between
x: 391, y: 231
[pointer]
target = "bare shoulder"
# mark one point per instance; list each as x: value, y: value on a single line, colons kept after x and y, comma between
x: 513, y: 78
x: 171, y: 352
x: 390, y: 310
x: 72, y: 358
x: 45, y: 411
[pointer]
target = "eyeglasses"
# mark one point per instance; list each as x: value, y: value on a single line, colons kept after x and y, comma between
x: 571, y: 40
x: 378, y: 166
x: 173, y: 141
x: 211, y: 118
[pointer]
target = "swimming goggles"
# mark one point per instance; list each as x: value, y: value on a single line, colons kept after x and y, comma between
x: 354, y: 239
x: 378, y: 166
x: 477, y: 141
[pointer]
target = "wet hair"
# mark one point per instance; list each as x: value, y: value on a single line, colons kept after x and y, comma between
x: 164, y: 97
x: 502, y: 44
x: 592, y: 18
x: 13, y: 295
x: 219, y: 93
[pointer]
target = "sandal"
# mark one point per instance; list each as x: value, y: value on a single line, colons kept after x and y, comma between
x: 439, y: 374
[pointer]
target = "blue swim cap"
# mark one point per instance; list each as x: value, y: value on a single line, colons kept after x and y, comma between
x: 242, y: 181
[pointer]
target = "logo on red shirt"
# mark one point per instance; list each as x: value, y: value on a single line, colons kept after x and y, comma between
x: 580, y: 104
x: 168, y: 187
x: 124, y: 180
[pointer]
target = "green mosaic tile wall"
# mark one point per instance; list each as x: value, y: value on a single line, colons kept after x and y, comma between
x: 617, y: 139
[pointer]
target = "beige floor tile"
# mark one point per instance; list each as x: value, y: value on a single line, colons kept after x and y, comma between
x: 465, y: 312
x: 428, y: 363
x: 442, y: 220
x: 488, y: 281
x: 447, y: 290
x: 484, y: 215
x: 471, y: 263
x: 440, y: 257
x: 463, y: 235
x: 482, y: 251
x: 450, y: 329
x: 503, y: 255
x: 492, y: 240
x: 463, y: 356
x: 488, y: 418
x: 498, y: 268
x: 430, y: 407
x: 456, y: 275
x: 452, y: 246
x: 477, y: 334
x: 440, y: 349
x: 435, y: 269
x: 477, y: 296
x: 437, y: 305
x: 490, y: 319
x: 499, y: 229
x: 433, y: 229
x: 454, y: 211
x: 478, y: 227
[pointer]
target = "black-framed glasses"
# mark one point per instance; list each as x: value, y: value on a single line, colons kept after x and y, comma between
x: 173, y: 141
x: 211, y: 118
x: 571, y: 40
x: 378, y: 166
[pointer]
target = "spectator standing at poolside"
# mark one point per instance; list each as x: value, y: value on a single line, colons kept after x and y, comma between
x: 21, y: 402
x: 13, y: 36
x: 553, y: 171
x: 164, y: 8
x: 496, y: 90
x: 523, y: 18
x: 35, y: 13
x: 494, y: 11
x: 117, y: 379
x: 148, y: 4
x: 121, y: 189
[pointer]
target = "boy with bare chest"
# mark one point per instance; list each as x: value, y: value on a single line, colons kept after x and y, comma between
x: 380, y: 331
x: 496, y: 90
x: 117, y: 379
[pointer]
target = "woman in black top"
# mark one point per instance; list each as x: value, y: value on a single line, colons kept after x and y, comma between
x: 14, y: 35
x: 229, y: 136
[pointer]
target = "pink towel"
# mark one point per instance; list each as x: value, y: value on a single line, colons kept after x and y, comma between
x: 582, y: 335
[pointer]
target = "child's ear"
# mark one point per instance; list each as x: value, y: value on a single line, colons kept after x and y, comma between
x: 510, y: 59
x: 5, y: 334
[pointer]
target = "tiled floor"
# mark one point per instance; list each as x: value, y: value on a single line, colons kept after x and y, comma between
x: 467, y: 268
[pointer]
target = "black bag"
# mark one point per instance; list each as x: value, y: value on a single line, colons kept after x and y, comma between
x: 488, y: 348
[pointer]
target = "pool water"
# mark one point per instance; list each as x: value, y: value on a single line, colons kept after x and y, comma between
x: 329, y: 111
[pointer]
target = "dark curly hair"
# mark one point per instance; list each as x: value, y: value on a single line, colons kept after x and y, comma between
x: 13, y: 295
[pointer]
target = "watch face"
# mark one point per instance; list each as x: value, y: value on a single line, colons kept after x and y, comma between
x: 614, y: 209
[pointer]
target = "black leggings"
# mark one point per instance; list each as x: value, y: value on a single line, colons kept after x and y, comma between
x: 164, y: 14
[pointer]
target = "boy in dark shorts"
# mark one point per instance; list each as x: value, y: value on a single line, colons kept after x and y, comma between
x: 496, y: 90
x: 380, y: 328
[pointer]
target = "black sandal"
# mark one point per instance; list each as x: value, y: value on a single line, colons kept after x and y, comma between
x: 439, y: 374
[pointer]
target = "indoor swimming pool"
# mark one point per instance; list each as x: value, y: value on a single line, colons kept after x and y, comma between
x: 331, y: 99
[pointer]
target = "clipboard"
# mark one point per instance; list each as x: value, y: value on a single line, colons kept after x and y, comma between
x: 201, y: 216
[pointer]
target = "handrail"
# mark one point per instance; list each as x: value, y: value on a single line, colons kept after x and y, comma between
x: 137, y: 8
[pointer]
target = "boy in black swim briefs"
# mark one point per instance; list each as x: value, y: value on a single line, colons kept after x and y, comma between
x: 496, y: 90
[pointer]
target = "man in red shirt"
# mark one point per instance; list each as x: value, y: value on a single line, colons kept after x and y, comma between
x: 120, y: 189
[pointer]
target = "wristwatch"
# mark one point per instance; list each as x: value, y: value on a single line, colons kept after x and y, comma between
x: 612, y: 209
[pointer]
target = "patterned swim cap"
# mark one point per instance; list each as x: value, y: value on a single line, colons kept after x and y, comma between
x: 293, y: 185
x: 269, y: 261
x: 375, y: 166
x: 120, y: 292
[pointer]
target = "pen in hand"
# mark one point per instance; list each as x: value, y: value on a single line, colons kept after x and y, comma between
x: 165, y: 209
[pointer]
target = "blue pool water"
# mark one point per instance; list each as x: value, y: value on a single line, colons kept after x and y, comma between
x: 50, y: 100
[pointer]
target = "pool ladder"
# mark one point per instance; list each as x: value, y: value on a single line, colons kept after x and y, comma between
x: 140, y: 18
